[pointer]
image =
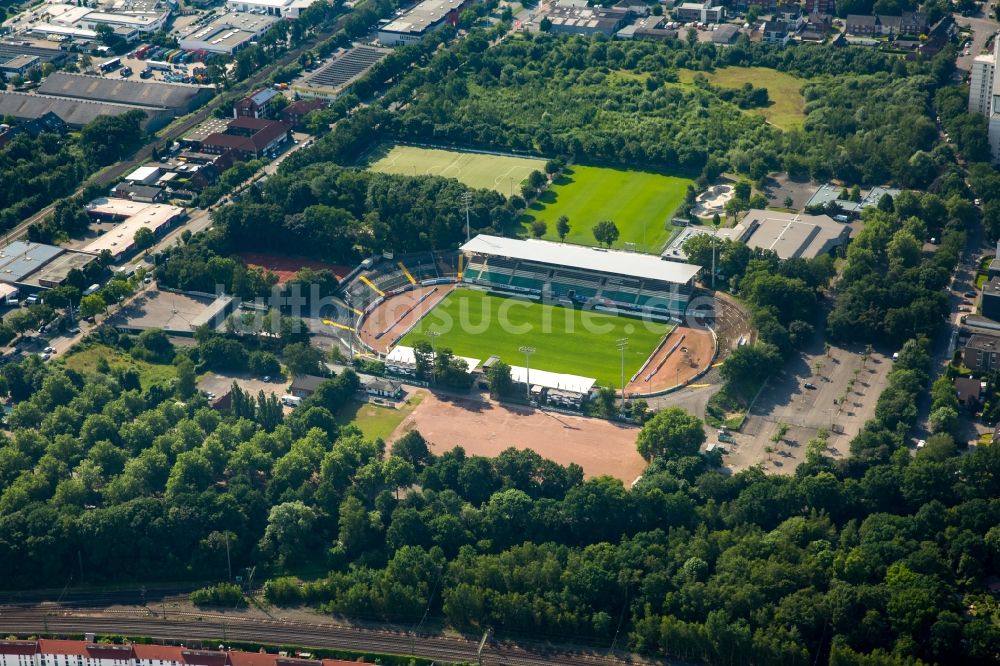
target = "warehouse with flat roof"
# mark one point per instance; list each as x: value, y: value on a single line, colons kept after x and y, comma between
x: 178, y: 98
x: 74, y: 112
x: 226, y: 34
x: 132, y: 216
x: 415, y: 24
x: 789, y: 235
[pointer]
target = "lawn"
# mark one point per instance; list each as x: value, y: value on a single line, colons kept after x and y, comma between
x: 149, y: 373
x: 640, y: 203
x: 474, y: 324
x: 787, y: 108
x: 502, y: 173
x: 375, y: 421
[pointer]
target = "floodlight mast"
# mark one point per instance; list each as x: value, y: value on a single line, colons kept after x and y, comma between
x: 527, y: 351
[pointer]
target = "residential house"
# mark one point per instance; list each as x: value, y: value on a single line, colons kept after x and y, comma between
x: 816, y: 28
x: 377, y: 387
x: 969, y: 391
x: 775, y: 32
x: 862, y: 25
x: 304, y: 386
x: 913, y: 23
x: 980, y: 352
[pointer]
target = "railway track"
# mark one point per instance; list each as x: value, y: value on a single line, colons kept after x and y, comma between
x: 182, y: 626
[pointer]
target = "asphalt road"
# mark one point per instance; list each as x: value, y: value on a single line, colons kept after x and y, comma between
x: 189, y: 627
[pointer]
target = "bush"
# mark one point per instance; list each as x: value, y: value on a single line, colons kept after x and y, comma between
x: 223, y: 594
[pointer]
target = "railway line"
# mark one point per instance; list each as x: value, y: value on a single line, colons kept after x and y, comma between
x: 190, y: 627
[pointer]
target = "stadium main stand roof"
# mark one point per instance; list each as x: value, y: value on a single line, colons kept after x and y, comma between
x: 617, y: 262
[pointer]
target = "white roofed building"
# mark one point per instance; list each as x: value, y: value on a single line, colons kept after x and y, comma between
x: 605, y: 279
x: 415, y: 24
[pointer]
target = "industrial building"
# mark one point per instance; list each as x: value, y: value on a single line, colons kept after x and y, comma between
x: 334, y: 77
x: 37, y: 266
x: 573, y: 19
x: 789, y: 235
x: 178, y: 98
x: 132, y: 216
x: 288, y: 9
x: 81, y: 22
x: 75, y: 113
x: 423, y: 19
x: 226, y: 34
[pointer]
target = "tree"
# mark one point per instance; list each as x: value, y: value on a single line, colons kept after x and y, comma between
x: 538, y: 228
x: 562, y: 227
x: 187, y: 381
x: 605, y: 232
x: 545, y: 25
x: 499, y: 379
x: 144, y: 239
x: 671, y: 433
x: 289, y: 531
x: 92, y: 305
x: 412, y: 448
x: 303, y: 359
x: 749, y: 365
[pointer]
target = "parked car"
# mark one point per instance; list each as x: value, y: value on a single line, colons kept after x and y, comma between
x: 970, y: 294
x: 811, y: 387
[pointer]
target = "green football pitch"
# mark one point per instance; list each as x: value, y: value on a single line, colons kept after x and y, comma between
x: 502, y: 173
x: 477, y: 325
x: 640, y: 203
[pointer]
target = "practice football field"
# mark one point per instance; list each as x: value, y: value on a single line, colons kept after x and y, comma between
x: 474, y: 324
x: 640, y: 203
x: 502, y: 173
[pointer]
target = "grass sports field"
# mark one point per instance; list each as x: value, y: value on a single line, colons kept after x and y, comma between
x: 787, y: 109
x: 641, y: 203
x: 502, y: 173
x: 474, y: 324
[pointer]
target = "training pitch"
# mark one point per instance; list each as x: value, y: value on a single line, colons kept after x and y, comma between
x: 502, y: 173
x: 474, y: 324
x: 640, y: 203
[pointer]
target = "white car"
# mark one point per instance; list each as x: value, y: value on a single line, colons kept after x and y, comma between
x: 50, y: 350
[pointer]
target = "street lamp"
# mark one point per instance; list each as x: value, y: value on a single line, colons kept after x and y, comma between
x: 622, y: 343
x: 527, y: 351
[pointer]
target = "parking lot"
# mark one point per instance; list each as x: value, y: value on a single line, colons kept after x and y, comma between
x: 162, y: 309
x: 220, y: 384
x: 834, y: 389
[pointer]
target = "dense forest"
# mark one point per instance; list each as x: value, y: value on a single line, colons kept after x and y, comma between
x: 881, y: 553
x: 40, y: 169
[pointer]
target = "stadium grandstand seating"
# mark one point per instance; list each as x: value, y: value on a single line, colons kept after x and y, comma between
x: 642, y: 290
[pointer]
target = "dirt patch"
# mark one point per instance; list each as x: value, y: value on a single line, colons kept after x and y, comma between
x: 286, y: 267
x: 486, y: 428
x: 694, y: 352
x: 397, y: 314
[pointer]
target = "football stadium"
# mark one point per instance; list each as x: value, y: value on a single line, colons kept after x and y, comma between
x: 566, y: 318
